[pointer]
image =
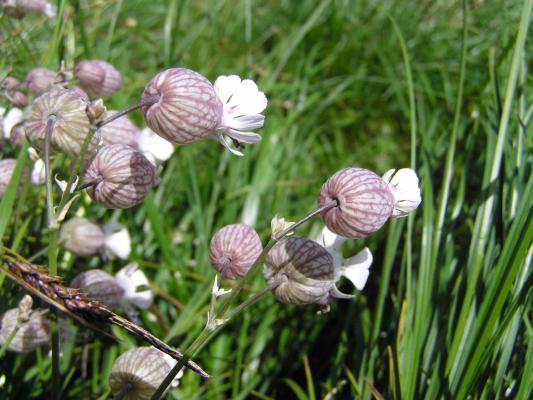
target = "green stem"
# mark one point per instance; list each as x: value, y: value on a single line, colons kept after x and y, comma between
x: 209, y: 330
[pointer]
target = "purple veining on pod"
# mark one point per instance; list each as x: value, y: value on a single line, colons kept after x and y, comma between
x: 234, y: 249
x: 31, y: 333
x: 188, y: 108
x: 82, y: 236
x: 100, y: 286
x: 40, y: 80
x: 68, y: 109
x: 18, y: 99
x: 6, y: 170
x: 365, y: 202
x: 307, y: 269
x: 98, y: 78
x: 17, y: 135
x: 121, y: 176
x: 120, y: 131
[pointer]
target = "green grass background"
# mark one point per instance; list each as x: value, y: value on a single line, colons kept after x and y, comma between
x: 437, y: 85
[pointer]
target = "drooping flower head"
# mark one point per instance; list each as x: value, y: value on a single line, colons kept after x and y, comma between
x: 82, y: 236
x: 137, y: 373
x: 40, y: 80
x: 98, y: 78
x: 183, y: 107
x: 67, y: 108
x: 187, y: 107
x: 120, y: 131
x: 364, y: 200
x: 120, y: 175
x: 234, y: 249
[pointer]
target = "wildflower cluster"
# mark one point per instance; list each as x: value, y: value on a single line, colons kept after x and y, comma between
x: 118, y: 163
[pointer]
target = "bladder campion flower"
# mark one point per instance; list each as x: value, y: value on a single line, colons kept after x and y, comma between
x: 404, y: 187
x: 40, y: 80
x: 100, y: 286
x: 82, y: 236
x: 98, y: 78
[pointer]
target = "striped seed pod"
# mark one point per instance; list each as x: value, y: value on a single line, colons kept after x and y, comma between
x: 82, y: 236
x: 121, y: 176
x: 32, y: 330
x: 6, y: 170
x: 234, y: 249
x: 19, y: 8
x: 100, y: 286
x: 365, y: 202
x: 138, y: 372
x: 98, y: 78
x: 10, y: 84
x: 120, y: 131
x: 305, y: 269
x: 40, y: 80
x: 187, y: 107
x: 67, y: 108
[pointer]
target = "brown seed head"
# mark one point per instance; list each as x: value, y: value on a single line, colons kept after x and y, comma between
x: 188, y: 108
x: 234, y: 249
x: 365, y: 202
x: 305, y: 268
x: 122, y: 174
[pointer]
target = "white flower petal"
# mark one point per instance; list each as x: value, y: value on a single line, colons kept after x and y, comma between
x: 356, y: 268
x: 225, y: 86
x: 247, y: 99
x: 245, y: 122
x: 329, y: 240
x: 222, y: 139
x: 244, y: 137
x: 13, y: 117
x: 38, y: 173
x: 172, y: 362
x: 154, y: 147
x: 130, y: 278
x: 404, y: 187
x: 117, y: 240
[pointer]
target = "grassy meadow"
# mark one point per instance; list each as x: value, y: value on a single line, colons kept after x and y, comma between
x: 441, y: 86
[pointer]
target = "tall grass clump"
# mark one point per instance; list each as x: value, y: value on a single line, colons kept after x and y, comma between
x: 124, y: 254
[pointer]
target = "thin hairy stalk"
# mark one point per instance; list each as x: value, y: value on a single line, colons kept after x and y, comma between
x: 211, y: 329
x: 145, y: 102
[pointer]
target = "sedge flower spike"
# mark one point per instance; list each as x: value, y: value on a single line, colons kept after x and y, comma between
x: 404, y: 187
x: 183, y: 107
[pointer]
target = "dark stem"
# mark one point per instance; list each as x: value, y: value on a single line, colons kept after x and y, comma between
x: 145, y: 102
x: 89, y: 184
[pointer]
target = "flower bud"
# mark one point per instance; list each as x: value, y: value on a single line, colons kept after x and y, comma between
x: 365, y: 202
x: 6, y: 170
x: 305, y: 269
x: 100, y: 286
x: 120, y: 131
x: 68, y: 110
x: 82, y: 236
x: 98, y: 78
x: 18, y: 99
x: 137, y: 373
x: 122, y: 176
x: 187, y: 107
x: 32, y: 330
x: 17, y: 135
x: 234, y: 249
x: 40, y: 80
x: 10, y: 84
